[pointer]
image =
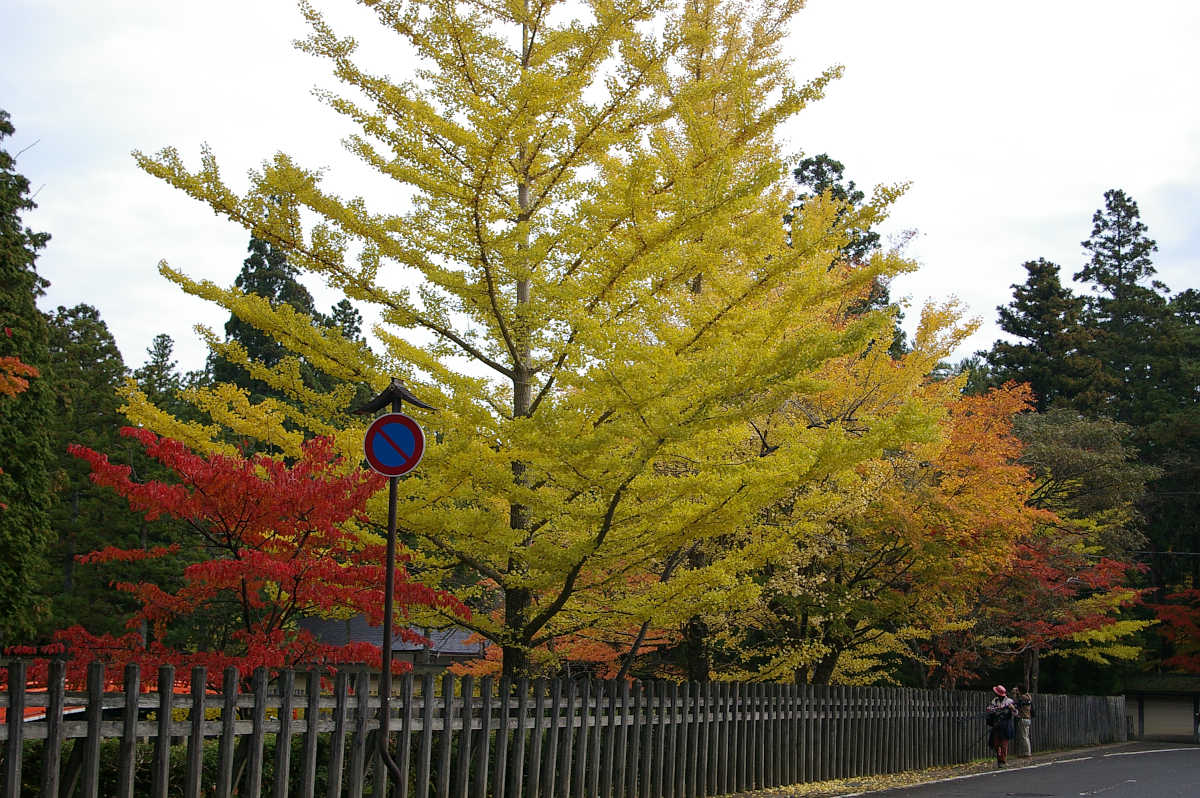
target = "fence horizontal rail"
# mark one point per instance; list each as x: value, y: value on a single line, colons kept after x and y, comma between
x: 311, y: 733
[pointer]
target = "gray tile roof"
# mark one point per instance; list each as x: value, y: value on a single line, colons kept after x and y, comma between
x: 451, y: 641
x: 1163, y: 683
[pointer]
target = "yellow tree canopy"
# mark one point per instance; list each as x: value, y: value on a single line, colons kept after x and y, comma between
x: 605, y: 295
x: 863, y: 557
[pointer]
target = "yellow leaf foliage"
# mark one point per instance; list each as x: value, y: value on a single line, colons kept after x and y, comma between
x: 609, y: 312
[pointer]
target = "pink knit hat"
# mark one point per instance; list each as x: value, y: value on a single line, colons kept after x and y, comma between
x: 999, y: 690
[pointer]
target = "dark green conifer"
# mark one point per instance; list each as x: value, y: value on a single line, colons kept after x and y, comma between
x: 85, y: 374
x: 24, y: 442
x: 820, y: 174
x: 1046, y: 318
x: 1127, y: 316
x: 266, y: 273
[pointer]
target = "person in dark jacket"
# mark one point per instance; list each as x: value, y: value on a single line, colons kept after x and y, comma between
x: 1000, y: 716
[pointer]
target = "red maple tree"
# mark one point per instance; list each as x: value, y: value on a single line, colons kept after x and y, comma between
x: 1054, y: 595
x: 1180, y: 625
x: 280, y: 541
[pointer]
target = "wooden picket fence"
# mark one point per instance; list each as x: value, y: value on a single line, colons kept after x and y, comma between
x: 459, y: 737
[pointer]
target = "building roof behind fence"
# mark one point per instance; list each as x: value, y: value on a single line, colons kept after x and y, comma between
x: 451, y: 641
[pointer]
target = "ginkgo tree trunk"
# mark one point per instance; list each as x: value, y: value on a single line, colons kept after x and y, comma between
x: 605, y: 297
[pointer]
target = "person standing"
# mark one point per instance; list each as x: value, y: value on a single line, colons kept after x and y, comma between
x: 1000, y: 715
x: 1024, y: 704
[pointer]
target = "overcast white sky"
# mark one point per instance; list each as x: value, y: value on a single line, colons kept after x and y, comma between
x: 1009, y: 119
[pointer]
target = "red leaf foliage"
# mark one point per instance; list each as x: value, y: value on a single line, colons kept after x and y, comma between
x: 113, y: 554
x: 1179, y: 623
x: 1038, y: 597
x: 280, y: 543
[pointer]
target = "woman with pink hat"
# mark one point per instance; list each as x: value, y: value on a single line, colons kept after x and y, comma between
x: 1000, y: 715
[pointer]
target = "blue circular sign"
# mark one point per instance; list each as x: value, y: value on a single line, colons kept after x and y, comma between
x: 394, y: 444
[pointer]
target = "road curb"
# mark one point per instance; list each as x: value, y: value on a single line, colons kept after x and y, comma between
x: 881, y: 783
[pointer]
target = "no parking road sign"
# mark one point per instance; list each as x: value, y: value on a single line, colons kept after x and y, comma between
x: 394, y: 444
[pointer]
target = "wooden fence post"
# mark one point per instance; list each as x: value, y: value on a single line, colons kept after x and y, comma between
x: 254, y: 771
x: 52, y: 755
x: 358, y: 743
x: 95, y: 713
x: 657, y: 736
x: 504, y: 694
x: 312, y: 719
x: 732, y: 754
x: 622, y: 742
x: 757, y: 735
x: 721, y: 764
x: 443, y: 775
x: 782, y: 738
x: 337, y: 742
x: 283, y: 736
x: 803, y: 741
x: 228, y: 744
x: 195, y: 750
x: 485, y: 743
x: 593, y: 754
x: 16, y: 728
x: 535, y: 740
x: 552, y: 734
x: 687, y: 741
x: 704, y: 736
x: 771, y: 736
x: 567, y: 734
x: 580, y: 774
x: 607, y: 714
x: 517, y: 757
x: 845, y: 760
x: 162, y: 747
x: 633, y: 735
x: 425, y: 745
x: 854, y: 736
x: 833, y: 742
x: 816, y: 733
x: 467, y: 716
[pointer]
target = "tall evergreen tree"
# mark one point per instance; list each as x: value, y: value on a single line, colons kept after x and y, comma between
x: 346, y: 318
x: 1120, y: 251
x: 86, y: 370
x: 161, y: 381
x: 1046, y: 316
x: 1126, y: 317
x: 265, y: 273
x: 1125, y: 359
x: 1170, y: 440
x: 820, y: 175
x: 24, y: 443
x: 159, y: 376
x: 1146, y: 341
x: 268, y: 274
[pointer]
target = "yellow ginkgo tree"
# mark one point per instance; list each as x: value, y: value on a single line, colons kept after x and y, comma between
x: 592, y: 283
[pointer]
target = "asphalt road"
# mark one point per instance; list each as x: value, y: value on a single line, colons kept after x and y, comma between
x: 1139, y: 770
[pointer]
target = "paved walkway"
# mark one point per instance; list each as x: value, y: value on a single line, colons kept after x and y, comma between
x: 863, y: 785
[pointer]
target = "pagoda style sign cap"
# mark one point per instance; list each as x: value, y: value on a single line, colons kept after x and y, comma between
x: 394, y: 391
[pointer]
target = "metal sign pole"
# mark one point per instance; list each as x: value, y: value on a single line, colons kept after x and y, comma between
x: 395, y: 394
x: 389, y: 590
